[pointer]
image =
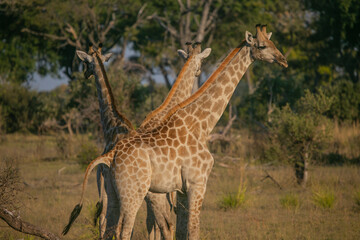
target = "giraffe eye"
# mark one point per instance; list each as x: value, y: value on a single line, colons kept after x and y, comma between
x: 261, y: 47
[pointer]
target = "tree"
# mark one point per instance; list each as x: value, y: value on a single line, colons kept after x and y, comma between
x: 303, y: 131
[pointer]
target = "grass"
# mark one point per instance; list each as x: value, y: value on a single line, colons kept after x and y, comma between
x: 357, y: 199
x: 290, y: 201
x: 232, y: 201
x: 324, y: 198
x: 50, y: 195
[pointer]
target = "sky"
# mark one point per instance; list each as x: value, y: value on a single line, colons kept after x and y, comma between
x: 47, y: 83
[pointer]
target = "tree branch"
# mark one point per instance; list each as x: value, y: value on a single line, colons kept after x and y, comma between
x: 19, y: 225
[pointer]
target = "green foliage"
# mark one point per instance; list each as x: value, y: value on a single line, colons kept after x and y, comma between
x: 290, y: 201
x: 324, y: 198
x: 21, y: 108
x: 346, y: 103
x: 88, y: 152
x: 304, y: 130
x: 233, y: 201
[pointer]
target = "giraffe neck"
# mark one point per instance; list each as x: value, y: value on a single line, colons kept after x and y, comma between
x: 203, y: 110
x: 111, y: 120
x: 180, y: 91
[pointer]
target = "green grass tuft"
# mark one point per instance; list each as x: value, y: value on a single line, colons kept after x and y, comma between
x: 290, y: 201
x: 324, y: 198
x: 357, y: 199
x: 233, y: 201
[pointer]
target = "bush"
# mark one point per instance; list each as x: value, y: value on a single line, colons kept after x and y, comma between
x: 324, y: 198
x: 301, y: 132
x: 88, y: 152
x: 64, y: 146
x: 290, y: 201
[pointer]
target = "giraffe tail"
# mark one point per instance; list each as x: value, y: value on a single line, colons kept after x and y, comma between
x: 105, y: 159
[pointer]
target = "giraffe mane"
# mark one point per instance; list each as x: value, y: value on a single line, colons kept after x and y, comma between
x: 123, y: 118
x: 208, y: 82
x: 170, y: 95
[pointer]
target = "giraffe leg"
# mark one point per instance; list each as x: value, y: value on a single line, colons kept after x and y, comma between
x: 130, y: 203
x: 159, y: 208
x: 195, y: 197
x: 182, y: 215
x: 109, y: 215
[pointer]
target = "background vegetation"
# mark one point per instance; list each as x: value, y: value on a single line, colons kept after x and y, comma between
x: 298, y: 123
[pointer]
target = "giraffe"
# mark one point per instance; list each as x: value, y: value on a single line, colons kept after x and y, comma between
x: 114, y: 125
x: 174, y: 155
x: 180, y: 91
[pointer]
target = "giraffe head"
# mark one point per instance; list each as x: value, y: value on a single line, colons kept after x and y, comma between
x: 90, y: 59
x: 197, y: 55
x: 262, y: 48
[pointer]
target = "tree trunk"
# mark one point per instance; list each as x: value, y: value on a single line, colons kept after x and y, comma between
x: 301, y: 169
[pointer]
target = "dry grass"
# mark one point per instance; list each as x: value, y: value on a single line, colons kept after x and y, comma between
x: 53, y: 188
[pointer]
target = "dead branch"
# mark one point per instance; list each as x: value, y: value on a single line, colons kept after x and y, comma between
x: 19, y: 225
x: 271, y: 178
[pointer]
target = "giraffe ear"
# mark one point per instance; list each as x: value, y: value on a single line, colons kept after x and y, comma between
x: 182, y: 54
x: 249, y: 38
x: 106, y: 57
x: 269, y: 35
x: 84, y: 56
x: 205, y: 53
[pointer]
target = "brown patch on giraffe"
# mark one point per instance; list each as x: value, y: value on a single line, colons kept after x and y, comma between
x: 142, y: 154
x: 172, y: 133
x: 165, y: 150
x: 231, y: 71
x: 191, y: 140
x: 204, y: 168
x: 172, y: 153
x: 193, y: 150
x: 178, y: 161
x: 176, y: 143
x: 169, y: 141
x: 182, y: 131
x: 182, y: 139
x: 239, y: 74
x: 204, y: 125
x: 207, y: 104
x: 170, y: 166
x: 183, y: 152
x: 189, y: 120
x: 142, y: 164
x: 228, y: 90
x: 236, y: 67
x: 160, y: 142
x: 179, y: 122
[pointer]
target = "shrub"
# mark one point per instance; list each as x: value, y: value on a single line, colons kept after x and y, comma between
x: 324, y: 198
x: 88, y: 152
x: 64, y: 146
x: 290, y: 201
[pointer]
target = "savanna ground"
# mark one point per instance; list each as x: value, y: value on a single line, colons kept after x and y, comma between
x: 52, y: 183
